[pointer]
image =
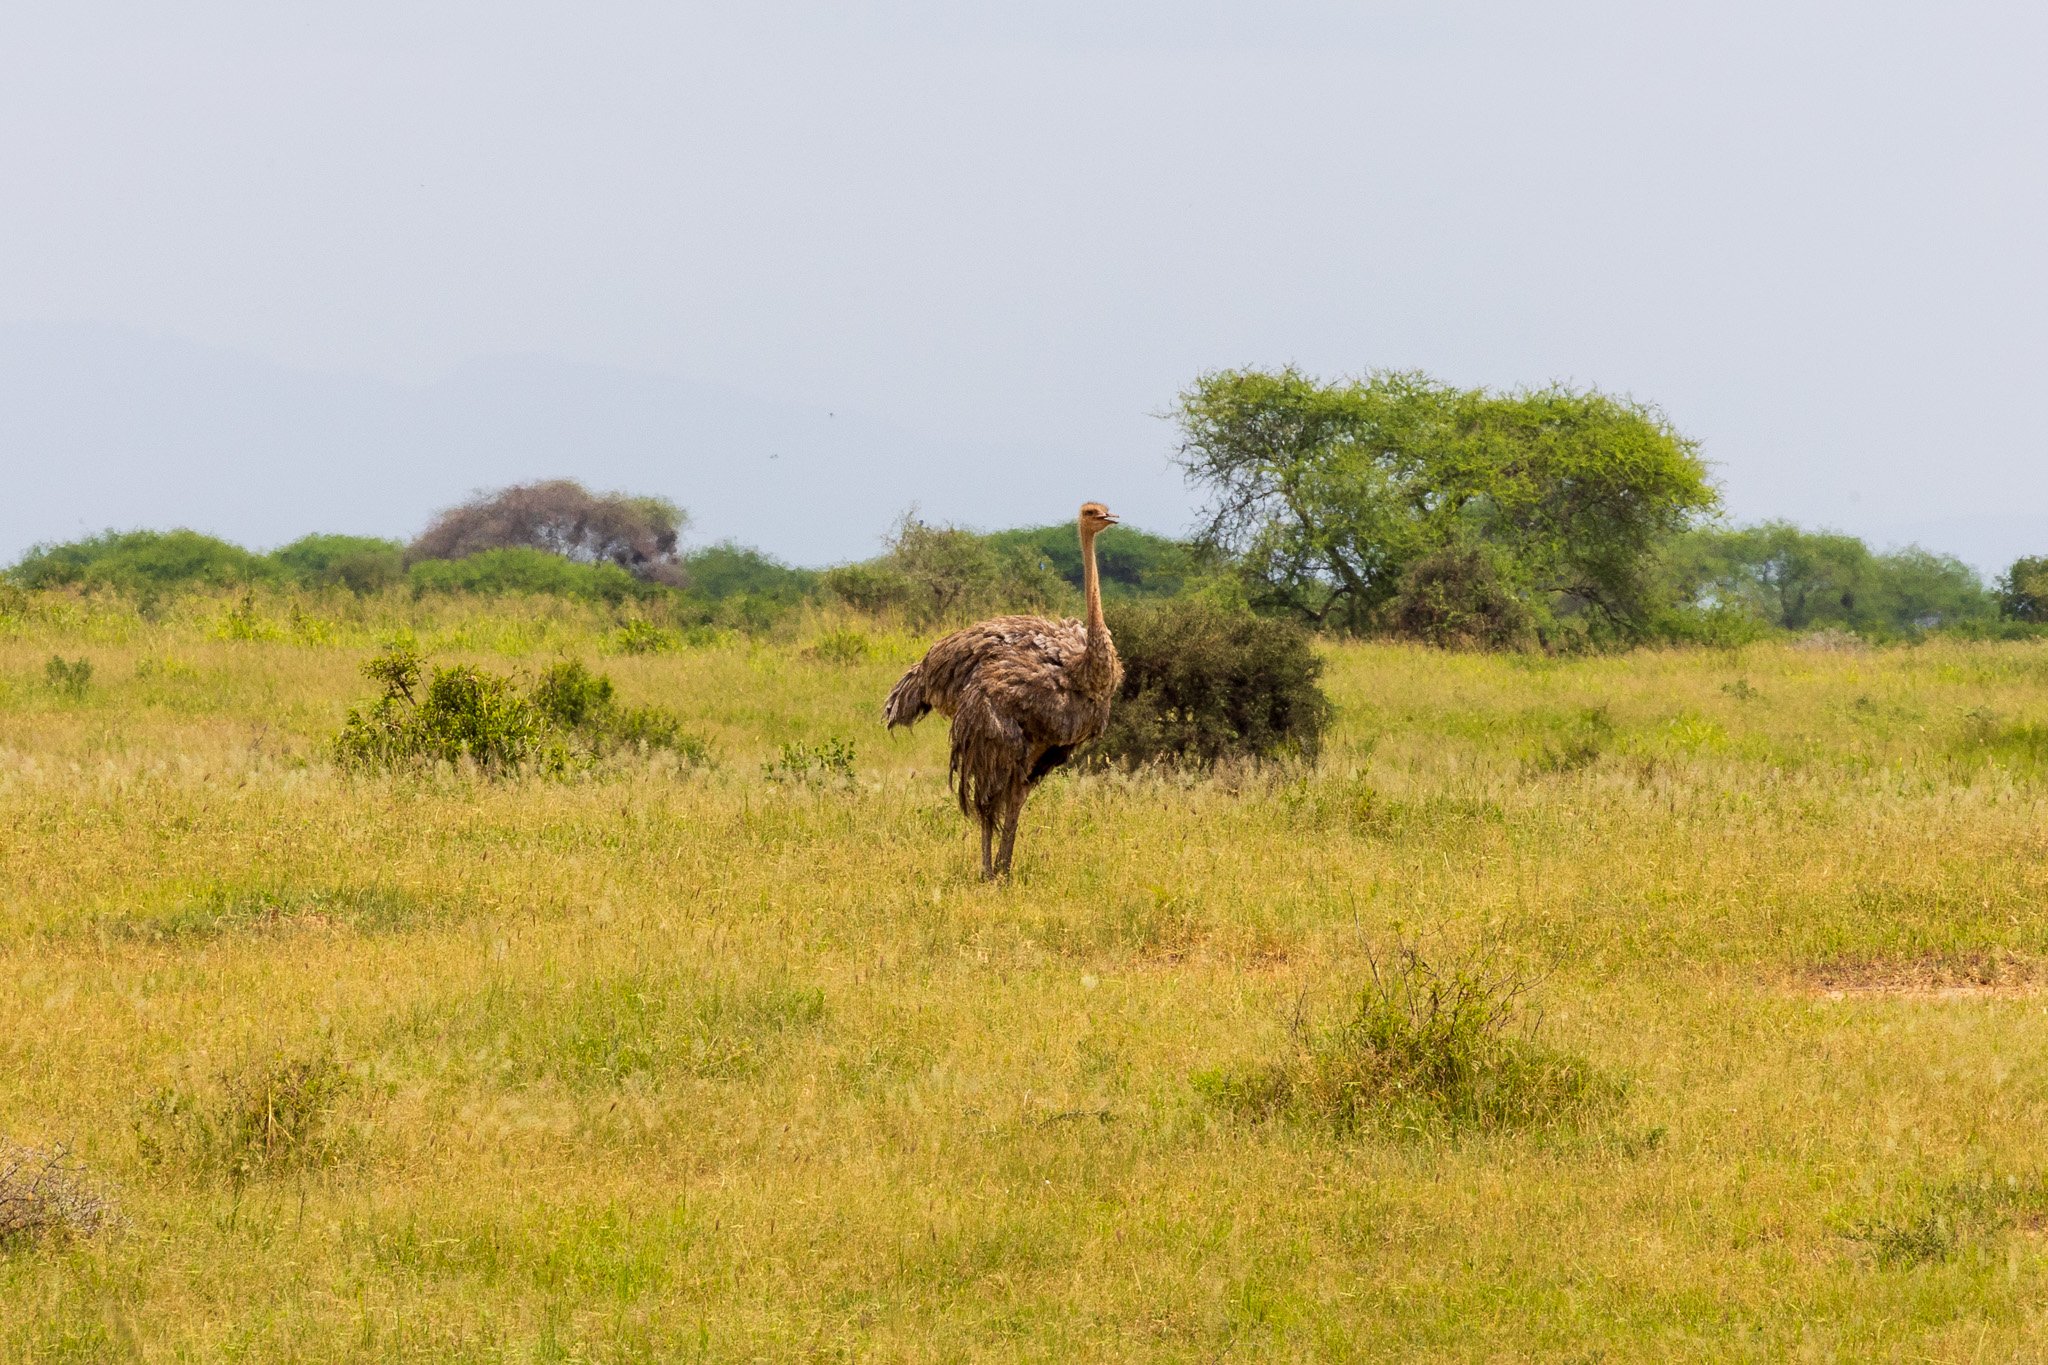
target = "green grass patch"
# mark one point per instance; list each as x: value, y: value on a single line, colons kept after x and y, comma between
x: 1426, y: 1049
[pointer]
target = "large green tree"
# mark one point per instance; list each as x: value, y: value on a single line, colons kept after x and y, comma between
x: 1328, y: 495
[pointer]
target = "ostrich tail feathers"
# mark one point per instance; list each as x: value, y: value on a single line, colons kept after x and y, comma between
x: 906, y: 703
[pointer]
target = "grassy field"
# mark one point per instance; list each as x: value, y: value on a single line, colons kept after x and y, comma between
x: 680, y: 1062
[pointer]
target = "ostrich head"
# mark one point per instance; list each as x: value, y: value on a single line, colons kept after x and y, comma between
x: 1094, y: 516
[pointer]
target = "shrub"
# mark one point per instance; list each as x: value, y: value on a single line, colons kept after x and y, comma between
x: 1204, y: 684
x: 1456, y: 599
x: 461, y: 713
x: 585, y: 705
x: 563, y: 518
x: 44, y: 1197
x: 276, y: 1113
x: 464, y: 713
x: 1132, y: 563
x: 68, y: 679
x: 1426, y: 1050
x: 1721, y: 626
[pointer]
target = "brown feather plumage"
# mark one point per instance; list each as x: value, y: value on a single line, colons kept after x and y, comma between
x: 1023, y: 693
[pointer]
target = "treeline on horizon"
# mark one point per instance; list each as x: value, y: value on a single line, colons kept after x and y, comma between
x: 1390, y: 505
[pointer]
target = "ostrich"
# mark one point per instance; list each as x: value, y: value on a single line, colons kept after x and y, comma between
x: 1024, y: 693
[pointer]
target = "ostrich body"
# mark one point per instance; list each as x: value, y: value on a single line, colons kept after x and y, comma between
x: 1023, y: 692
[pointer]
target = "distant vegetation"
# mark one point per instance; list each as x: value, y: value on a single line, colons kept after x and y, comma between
x: 563, y: 518
x: 1392, y: 505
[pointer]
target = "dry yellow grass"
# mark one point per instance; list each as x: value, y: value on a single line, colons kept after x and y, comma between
x: 672, y: 1064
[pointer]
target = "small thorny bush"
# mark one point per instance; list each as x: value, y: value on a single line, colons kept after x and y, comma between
x: 464, y: 714
x: 45, y: 1197
x: 1205, y: 684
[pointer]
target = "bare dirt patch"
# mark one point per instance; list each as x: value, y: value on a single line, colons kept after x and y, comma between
x: 1927, y: 976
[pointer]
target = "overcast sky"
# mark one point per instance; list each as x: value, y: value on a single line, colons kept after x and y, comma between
x: 992, y: 241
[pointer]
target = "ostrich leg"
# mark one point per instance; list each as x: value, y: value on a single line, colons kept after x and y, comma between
x: 1012, y: 809
x: 988, y: 831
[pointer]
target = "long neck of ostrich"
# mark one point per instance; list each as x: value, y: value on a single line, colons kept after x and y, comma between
x: 1091, y: 582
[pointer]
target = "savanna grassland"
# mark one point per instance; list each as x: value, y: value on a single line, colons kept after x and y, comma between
x: 686, y: 1060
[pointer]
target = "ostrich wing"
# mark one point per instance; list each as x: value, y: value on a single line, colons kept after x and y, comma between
x: 1003, y: 656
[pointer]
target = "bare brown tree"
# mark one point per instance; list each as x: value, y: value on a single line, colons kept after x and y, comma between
x: 563, y: 517
x: 1024, y: 693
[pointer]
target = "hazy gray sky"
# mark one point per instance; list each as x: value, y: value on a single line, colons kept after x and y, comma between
x: 994, y: 239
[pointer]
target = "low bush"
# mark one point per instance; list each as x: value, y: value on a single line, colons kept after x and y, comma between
x: 1204, y: 684
x: 585, y: 706
x: 464, y: 714
x: 1426, y: 1049
x: 45, y: 1197
x: 276, y: 1113
x: 1457, y: 599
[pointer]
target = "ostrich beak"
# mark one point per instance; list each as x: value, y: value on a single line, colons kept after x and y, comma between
x: 1111, y: 518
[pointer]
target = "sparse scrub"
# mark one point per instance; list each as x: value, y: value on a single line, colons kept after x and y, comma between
x: 1428, y: 1049
x: 46, y: 1197
x: 460, y: 713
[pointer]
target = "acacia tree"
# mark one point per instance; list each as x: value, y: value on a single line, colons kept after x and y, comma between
x: 561, y: 516
x: 1325, y: 494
